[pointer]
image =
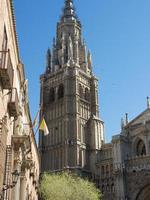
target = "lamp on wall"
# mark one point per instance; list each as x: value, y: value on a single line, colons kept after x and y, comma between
x: 15, y: 176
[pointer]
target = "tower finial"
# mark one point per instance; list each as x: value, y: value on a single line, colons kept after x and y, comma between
x: 148, y: 102
x: 69, y: 12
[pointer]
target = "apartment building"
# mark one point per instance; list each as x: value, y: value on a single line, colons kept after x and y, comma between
x: 19, y: 163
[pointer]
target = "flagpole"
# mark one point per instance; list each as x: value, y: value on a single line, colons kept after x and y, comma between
x: 37, y: 130
x: 35, y: 119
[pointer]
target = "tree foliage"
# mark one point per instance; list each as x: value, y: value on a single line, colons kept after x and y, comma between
x: 65, y: 186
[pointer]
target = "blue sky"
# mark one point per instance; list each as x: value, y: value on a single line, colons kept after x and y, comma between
x: 118, y: 34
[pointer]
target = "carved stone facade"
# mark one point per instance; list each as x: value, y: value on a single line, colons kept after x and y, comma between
x: 69, y: 101
x: 69, y: 105
x: 18, y: 150
x: 123, y: 167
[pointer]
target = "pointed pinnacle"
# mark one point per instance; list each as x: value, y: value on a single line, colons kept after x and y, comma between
x: 148, y: 102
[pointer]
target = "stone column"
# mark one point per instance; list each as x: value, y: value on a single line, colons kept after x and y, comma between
x: 76, y: 52
x: 63, y: 158
x: 146, y: 143
x: 118, y: 167
x: 16, y: 191
x: 22, y: 187
x: 94, y: 97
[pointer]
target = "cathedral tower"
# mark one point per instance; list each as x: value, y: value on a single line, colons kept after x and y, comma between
x: 69, y: 101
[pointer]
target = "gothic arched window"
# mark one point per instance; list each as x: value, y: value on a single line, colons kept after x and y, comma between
x: 60, y: 91
x: 81, y: 91
x: 107, y: 187
x: 45, y: 96
x: 111, y: 168
x: 140, y: 148
x: 103, y: 188
x: 86, y: 94
x: 112, y: 187
x: 52, y: 94
x: 144, y: 193
x: 107, y: 170
x: 102, y: 170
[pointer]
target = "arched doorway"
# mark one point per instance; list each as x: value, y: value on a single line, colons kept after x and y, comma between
x: 144, y: 194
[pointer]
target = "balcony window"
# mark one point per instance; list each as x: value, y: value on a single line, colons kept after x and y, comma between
x: 6, y: 69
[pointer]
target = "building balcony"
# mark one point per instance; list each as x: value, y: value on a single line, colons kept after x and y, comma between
x: 6, y: 70
x: 21, y: 140
x: 21, y: 136
x: 13, y: 105
x: 27, y: 163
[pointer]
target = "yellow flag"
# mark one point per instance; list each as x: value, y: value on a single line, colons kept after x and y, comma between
x: 43, y: 127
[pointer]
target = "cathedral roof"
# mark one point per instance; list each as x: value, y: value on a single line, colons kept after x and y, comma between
x: 141, y: 118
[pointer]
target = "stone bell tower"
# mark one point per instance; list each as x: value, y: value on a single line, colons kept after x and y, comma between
x: 69, y: 101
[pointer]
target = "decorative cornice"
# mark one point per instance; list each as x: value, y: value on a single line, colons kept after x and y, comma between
x: 14, y: 27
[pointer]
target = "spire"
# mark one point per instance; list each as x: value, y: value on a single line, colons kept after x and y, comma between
x: 48, y: 61
x: 69, y: 12
x: 89, y: 59
x: 122, y: 124
x: 127, y: 119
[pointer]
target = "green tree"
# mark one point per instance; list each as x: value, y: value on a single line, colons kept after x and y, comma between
x: 65, y: 186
